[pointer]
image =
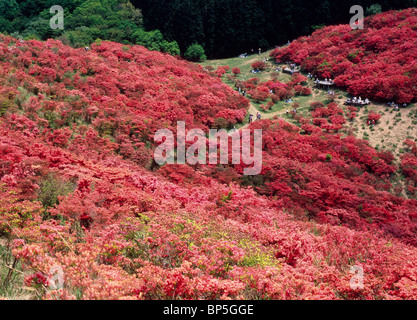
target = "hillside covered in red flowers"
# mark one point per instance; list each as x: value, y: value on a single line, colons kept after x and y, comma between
x: 80, y: 190
x: 378, y: 62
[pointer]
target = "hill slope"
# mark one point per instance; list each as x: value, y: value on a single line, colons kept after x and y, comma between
x: 378, y: 62
x: 79, y: 195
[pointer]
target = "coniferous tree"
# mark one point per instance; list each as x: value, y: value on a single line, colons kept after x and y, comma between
x: 231, y: 27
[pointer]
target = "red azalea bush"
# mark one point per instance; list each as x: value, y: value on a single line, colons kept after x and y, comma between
x: 236, y: 71
x: 293, y: 172
x: 352, y: 112
x: 81, y: 196
x: 261, y: 93
x: 259, y: 65
x: 377, y: 62
x: 373, y: 116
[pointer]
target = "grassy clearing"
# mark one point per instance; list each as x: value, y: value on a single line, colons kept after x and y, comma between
x: 244, y: 64
x: 11, y: 275
x: 389, y: 134
x: 279, y: 108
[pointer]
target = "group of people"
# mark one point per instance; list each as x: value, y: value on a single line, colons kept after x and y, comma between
x: 326, y: 81
x: 258, y: 117
x: 371, y: 122
x: 396, y: 106
x: 292, y: 68
x: 245, y: 55
x: 357, y: 101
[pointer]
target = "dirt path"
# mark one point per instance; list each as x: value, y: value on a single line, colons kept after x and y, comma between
x: 253, y: 110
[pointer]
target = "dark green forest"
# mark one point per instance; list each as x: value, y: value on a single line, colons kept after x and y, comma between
x: 223, y: 28
x: 85, y: 21
x: 228, y: 27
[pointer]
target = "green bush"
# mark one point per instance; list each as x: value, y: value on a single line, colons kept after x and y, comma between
x: 195, y: 53
x: 154, y: 40
x: 374, y: 9
x: 4, y: 106
x: 85, y: 21
x: 11, y: 278
x: 9, y: 9
x: 51, y: 187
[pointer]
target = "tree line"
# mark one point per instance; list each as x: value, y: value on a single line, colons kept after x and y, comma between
x: 193, y: 28
x: 85, y: 22
x: 229, y: 27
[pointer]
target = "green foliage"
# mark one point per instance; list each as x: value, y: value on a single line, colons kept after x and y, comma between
x: 317, y: 27
x: 227, y: 197
x: 5, y: 104
x: 82, y: 36
x: 51, y: 187
x: 228, y: 28
x: 9, y: 9
x: 171, y: 47
x: 254, y: 181
x: 105, y: 19
x: 154, y: 40
x: 11, y: 279
x: 84, y: 22
x: 222, y: 27
x: 195, y: 52
x: 255, y: 257
x: 373, y: 9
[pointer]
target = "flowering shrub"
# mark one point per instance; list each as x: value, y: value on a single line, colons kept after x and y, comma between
x: 236, y: 71
x: 377, y: 62
x: 118, y: 228
x: 259, y: 65
x: 374, y: 117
